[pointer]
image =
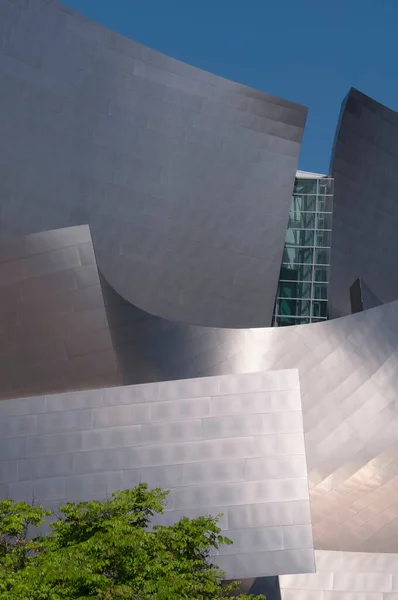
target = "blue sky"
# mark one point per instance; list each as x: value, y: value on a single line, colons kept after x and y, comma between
x: 308, y: 51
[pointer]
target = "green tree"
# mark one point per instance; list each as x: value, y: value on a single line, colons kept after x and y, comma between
x: 107, y: 550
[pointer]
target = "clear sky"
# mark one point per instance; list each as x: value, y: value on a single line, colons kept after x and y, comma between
x: 307, y: 51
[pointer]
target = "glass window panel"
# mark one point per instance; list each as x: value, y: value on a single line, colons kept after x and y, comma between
x: 287, y: 274
x: 303, y: 308
x: 296, y: 272
x: 302, y: 288
x: 320, y: 291
x: 319, y: 308
x: 320, y: 274
x: 301, y: 220
x: 286, y: 321
x: 303, y: 203
x: 285, y: 307
x: 326, y: 186
x: 297, y: 255
x: 300, y: 237
x: 294, y: 289
x: 323, y: 238
x: 324, y: 221
x: 325, y: 203
x: 293, y: 307
x: 287, y: 289
x: 322, y: 256
x: 305, y: 186
x: 317, y: 320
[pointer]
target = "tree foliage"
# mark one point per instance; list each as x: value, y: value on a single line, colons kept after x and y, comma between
x: 108, y: 551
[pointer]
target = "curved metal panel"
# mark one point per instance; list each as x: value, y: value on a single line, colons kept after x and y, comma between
x: 365, y: 213
x: 184, y: 178
x: 348, y: 371
x: 54, y: 333
x: 232, y: 445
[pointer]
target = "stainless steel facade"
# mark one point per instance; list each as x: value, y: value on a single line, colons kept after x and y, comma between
x: 344, y: 576
x: 54, y: 333
x: 184, y: 178
x: 231, y: 445
x: 185, y: 181
x: 364, y: 165
x: 348, y: 369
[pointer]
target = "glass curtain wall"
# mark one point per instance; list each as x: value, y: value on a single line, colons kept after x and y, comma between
x: 303, y: 282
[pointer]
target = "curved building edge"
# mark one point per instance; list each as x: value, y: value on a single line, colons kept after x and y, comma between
x: 111, y: 110
x: 184, y: 178
x: 365, y: 211
x: 347, y: 369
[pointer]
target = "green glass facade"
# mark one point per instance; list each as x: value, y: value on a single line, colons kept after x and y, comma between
x: 303, y: 281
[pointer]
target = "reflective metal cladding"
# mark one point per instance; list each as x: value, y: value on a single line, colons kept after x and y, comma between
x: 345, y: 575
x: 348, y: 369
x: 364, y: 165
x: 185, y: 181
x: 185, y: 178
x: 231, y: 445
x: 54, y: 333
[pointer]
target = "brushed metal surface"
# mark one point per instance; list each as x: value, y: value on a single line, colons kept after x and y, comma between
x: 185, y: 178
x: 54, y: 333
x: 345, y: 576
x: 348, y: 370
x: 77, y: 452
x: 365, y: 208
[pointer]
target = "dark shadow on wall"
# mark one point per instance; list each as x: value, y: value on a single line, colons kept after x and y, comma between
x: 269, y: 586
x: 362, y: 297
x: 149, y: 348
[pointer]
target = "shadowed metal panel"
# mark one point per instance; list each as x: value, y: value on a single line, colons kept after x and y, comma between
x: 180, y: 435
x: 185, y: 178
x: 348, y: 369
x: 362, y: 297
x: 365, y: 214
x: 54, y: 333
